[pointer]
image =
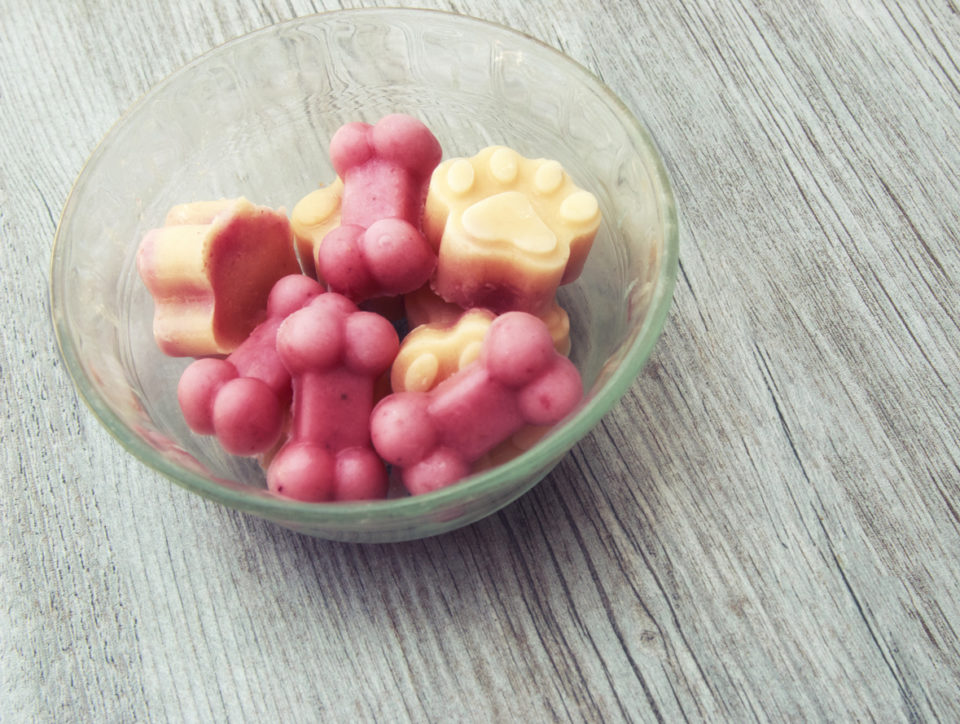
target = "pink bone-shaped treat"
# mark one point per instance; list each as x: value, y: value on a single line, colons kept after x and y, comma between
x: 334, y: 353
x: 243, y: 399
x: 379, y: 248
x: 519, y: 379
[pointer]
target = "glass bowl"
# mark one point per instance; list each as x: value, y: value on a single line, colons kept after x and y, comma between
x: 253, y: 118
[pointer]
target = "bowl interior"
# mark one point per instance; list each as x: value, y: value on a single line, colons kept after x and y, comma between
x: 254, y: 118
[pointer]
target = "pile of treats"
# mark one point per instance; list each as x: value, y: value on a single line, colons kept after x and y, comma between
x: 294, y: 321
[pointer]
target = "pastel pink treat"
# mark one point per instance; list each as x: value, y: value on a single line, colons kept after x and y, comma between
x: 379, y: 249
x: 210, y: 270
x: 335, y: 354
x: 243, y: 399
x: 520, y: 379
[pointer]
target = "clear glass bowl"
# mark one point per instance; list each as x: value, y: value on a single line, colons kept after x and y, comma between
x: 253, y: 118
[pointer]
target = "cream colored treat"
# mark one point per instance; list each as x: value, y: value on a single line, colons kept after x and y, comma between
x: 509, y: 230
x: 424, y: 306
x: 210, y: 275
x: 196, y: 212
x: 433, y: 352
x: 312, y: 218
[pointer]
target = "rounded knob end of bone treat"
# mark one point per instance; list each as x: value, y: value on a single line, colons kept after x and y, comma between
x: 406, y: 141
x: 553, y: 395
x: 517, y: 349
x: 350, y: 147
x: 303, y: 471
x: 198, y: 387
x: 371, y: 343
x: 341, y: 264
x: 360, y: 475
x: 400, y: 259
x: 309, y: 340
x: 401, y: 428
x: 290, y: 293
x: 247, y: 416
x: 440, y: 469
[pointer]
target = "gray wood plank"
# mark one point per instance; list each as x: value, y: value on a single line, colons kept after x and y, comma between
x: 765, y: 528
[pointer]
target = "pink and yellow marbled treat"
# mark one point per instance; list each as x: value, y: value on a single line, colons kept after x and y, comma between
x: 210, y: 270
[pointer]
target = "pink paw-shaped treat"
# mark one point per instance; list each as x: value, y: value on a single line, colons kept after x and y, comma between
x: 379, y: 248
x: 243, y: 399
x: 519, y: 379
x: 209, y: 269
x: 334, y: 353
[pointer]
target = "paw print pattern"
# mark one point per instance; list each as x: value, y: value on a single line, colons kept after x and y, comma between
x: 433, y: 352
x: 509, y: 230
x: 519, y: 379
x: 425, y: 306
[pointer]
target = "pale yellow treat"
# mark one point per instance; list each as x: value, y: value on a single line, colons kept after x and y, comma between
x: 424, y: 306
x: 558, y: 322
x: 509, y: 230
x: 196, y: 212
x: 433, y: 352
x: 315, y: 215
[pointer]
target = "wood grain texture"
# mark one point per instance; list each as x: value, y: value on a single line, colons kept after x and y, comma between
x: 767, y: 527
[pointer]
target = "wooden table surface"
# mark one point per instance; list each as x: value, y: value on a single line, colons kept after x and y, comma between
x: 767, y: 527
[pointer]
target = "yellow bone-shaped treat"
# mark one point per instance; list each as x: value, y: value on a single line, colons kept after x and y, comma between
x: 312, y: 218
x: 509, y: 230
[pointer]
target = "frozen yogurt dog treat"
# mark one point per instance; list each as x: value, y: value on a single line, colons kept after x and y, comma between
x: 509, y: 230
x: 558, y: 323
x: 434, y: 437
x: 433, y: 352
x: 313, y: 217
x: 425, y: 306
x: 244, y: 398
x: 334, y: 354
x: 210, y: 270
x: 379, y: 249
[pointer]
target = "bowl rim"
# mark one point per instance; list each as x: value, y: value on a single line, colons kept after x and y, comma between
x: 340, y: 515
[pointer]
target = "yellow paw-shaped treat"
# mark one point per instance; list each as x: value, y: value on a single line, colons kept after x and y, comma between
x: 424, y: 306
x: 433, y: 352
x: 509, y: 230
x: 314, y: 215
